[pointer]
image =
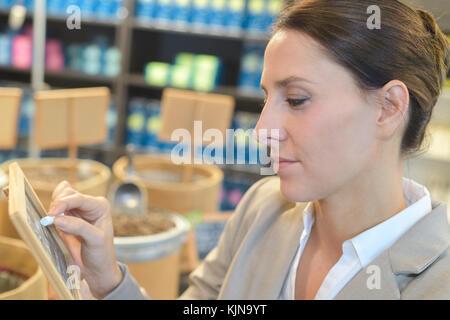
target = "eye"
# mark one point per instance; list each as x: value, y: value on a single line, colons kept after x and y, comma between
x: 296, y: 102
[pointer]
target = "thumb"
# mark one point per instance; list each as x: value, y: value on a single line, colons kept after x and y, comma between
x: 81, y: 228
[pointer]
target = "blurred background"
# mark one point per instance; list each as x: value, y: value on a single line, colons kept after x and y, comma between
x: 137, y: 48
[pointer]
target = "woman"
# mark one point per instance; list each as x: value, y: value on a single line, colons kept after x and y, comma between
x: 350, y: 103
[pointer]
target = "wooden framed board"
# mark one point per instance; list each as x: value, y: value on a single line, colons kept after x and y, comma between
x: 180, y: 108
x: 10, y: 99
x: 47, y: 247
x: 71, y: 117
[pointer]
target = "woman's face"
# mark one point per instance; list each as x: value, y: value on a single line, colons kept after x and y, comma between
x: 326, y: 126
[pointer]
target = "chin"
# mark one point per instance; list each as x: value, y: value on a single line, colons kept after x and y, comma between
x: 293, y: 190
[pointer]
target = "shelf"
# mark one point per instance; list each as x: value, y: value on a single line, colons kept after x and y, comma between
x: 11, y: 69
x: 138, y: 80
x: 65, y: 74
x: 199, y: 31
x: 75, y: 75
x: 93, y: 21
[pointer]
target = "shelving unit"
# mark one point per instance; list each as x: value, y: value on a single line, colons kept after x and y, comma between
x: 140, y: 42
x: 163, y: 42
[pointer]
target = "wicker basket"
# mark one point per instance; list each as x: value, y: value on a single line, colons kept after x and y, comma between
x: 44, y: 175
x: 154, y: 260
x: 15, y: 256
x: 95, y: 185
x: 162, y: 180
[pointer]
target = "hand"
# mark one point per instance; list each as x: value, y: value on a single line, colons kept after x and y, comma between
x: 86, y: 229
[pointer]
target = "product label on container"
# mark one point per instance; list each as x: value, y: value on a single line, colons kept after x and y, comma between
x: 201, y: 4
x: 256, y: 6
x: 237, y: 5
x: 136, y: 122
x: 153, y: 125
x: 218, y: 4
x: 275, y: 6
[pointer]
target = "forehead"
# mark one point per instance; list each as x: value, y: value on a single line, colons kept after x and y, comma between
x: 292, y: 49
x: 292, y: 53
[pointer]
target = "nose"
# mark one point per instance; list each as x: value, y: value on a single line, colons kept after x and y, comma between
x: 269, y: 129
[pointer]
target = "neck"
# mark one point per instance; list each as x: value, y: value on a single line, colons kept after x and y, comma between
x: 363, y: 203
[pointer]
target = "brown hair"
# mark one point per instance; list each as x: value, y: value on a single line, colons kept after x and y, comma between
x: 409, y: 47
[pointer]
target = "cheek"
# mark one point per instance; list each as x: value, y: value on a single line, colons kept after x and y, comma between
x: 332, y: 145
x: 345, y: 136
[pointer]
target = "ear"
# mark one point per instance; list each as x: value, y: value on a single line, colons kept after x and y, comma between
x: 393, y: 106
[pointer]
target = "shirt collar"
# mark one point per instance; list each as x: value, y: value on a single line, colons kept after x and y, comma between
x: 375, y: 240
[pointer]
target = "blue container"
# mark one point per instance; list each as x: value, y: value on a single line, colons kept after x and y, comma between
x: 111, y: 122
x: 29, y: 4
x: 5, y: 49
x: 116, y: 7
x: 68, y: 3
x: 88, y: 8
x: 235, y: 15
x: 217, y: 13
x: 200, y: 12
x: 136, y: 122
x: 152, y: 124
x: 74, y: 56
x: 106, y: 9
x: 181, y: 12
x: 6, y: 4
x: 256, y: 15
x: 26, y: 114
x: 164, y: 11
x: 251, y: 68
x: 56, y: 7
x: 146, y: 9
x: 274, y: 8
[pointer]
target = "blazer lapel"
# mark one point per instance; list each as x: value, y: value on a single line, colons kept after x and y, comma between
x: 375, y: 282
x: 411, y: 254
x: 277, y: 250
x: 261, y: 272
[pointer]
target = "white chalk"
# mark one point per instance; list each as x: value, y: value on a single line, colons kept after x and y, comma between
x: 48, y: 221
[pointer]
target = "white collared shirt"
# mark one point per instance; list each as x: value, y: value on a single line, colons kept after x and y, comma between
x: 359, y: 251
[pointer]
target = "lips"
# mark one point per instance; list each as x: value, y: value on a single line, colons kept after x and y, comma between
x: 280, y: 163
x: 281, y: 159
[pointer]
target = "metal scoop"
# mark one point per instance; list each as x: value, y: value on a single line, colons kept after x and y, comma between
x: 129, y: 197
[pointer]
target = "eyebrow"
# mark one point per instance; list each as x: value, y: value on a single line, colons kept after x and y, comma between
x: 288, y: 81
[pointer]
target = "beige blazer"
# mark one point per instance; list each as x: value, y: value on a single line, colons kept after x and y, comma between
x: 254, y: 253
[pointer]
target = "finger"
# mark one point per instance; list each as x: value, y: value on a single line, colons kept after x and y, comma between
x: 88, y: 207
x: 61, y: 194
x: 90, y: 235
x: 60, y: 187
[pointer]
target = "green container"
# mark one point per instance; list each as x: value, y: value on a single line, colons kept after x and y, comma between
x: 206, y: 70
x: 157, y: 73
